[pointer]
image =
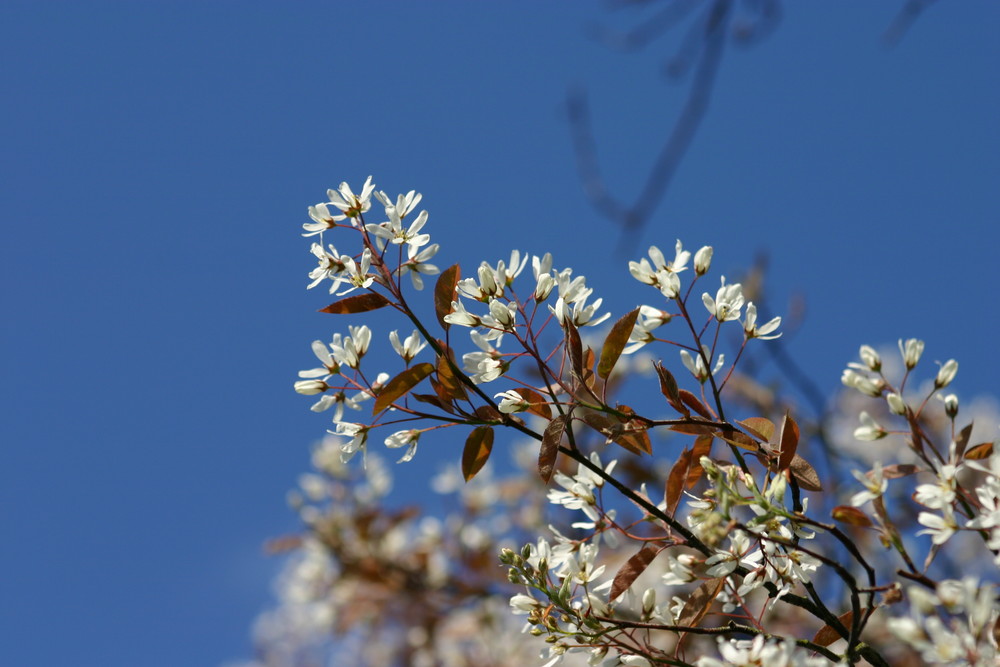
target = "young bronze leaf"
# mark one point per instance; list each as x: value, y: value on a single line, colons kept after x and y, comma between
x: 435, y: 401
x: 636, y: 442
x: 962, y: 440
x: 536, y: 402
x: 615, y: 343
x: 692, y: 429
x: 444, y: 292
x: 675, y: 480
x: 741, y: 440
x: 897, y: 470
x: 761, y: 428
x: 478, y: 446
x: 631, y: 570
x: 980, y: 451
x: 400, y: 385
x: 450, y: 384
x: 549, y: 451
x: 828, y: 635
x: 788, y: 443
x: 574, y: 348
x: 488, y: 413
x: 695, y: 404
x: 805, y: 474
x: 702, y: 447
x: 669, y: 389
x: 359, y: 303
x: 700, y: 602
x: 852, y: 516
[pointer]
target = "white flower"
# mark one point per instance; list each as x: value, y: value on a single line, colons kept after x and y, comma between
x: 330, y: 266
x: 416, y: 264
x: 410, y: 347
x: 350, y: 204
x: 940, y: 528
x: 322, y: 352
x: 581, y: 315
x: 696, y: 364
x: 870, y: 358
x: 911, y: 351
x: 762, y: 332
x: 322, y: 220
x: 402, y: 439
x: 946, y: 374
x: 459, y: 315
x: 504, y: 314
x: 642, y: 333
x: 875, y: 485
x: 353, y: 348
x: 869, y: 429
x: 866, y: 385
x: 393, y: 231
x: 727, y: 302
x: 703, y: 260
x: 661, y: 274
x: 311, y: 387
x: 897, y: 405
x: 357, y: 275
x: 511, y: 402
x: 358, y: 433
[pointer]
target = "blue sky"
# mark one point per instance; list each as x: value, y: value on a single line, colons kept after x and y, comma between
x: 158, y: 161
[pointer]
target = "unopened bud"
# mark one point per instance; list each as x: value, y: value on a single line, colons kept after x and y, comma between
x: 911, y: 351
x: 703, y: 260
x: 896, y: 404
x: 870, y: 358
x: 946, y: 374
x: 310, y: 387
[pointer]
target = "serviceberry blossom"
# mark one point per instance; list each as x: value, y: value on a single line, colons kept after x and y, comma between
x: 869, y: 429
x: 330, y: 365
x: 661, y: 274
x: 416, y: 264
x: 322, y: 220
x: 875, y: 485
x: 353, y: 347
x: 911, y: 351
x: 946, y: 374
x: 357, y: 274
x: 392, y: 230
x: 866, y: 385
x: 696, y: 364
x: 511, y: 401
x: 331, y: 267
x: 350, y: 204
x: 358, y: 434
x: 703, y: 260
x: 642, y: 333
x: 764, y: 331
x: 410, y: 347
x: 727, y: 302
x: 406, y: 438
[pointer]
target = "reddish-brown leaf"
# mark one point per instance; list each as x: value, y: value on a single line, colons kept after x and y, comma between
x: 695, y: 404
x: 615, y: 343
x: 702, y: 447
x: 805, y: 474
x: 897, y: 470
x: 359, y: 303
x: 434, y: 400
x: 675, y: 480
x: 788, y: 442
x: 549, y: 451
x: 741, y: 440
x: 669, y: 389
x: 451, y: 385
x: 980, y: 451
x: 827, y: 635
x: 444, y: 292
x: 636, y: 442
x: 478, y: 446
x: 536, y: 402
x: 693, y: 429
x: 762, y: 429
x: 630, y: 571
x: 574, y: 348
x: 852, y: 516
x: 962, y: 439
x: 400, y: 385
x: 699, y: 602
x: 488, y: 413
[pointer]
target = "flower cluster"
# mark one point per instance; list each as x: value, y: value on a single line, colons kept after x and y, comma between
x: 673, y: 530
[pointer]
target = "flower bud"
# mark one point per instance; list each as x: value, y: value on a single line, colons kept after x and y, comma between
x: 896, y: 404
x: 870, y: 429
x: 911, y: 351
x: 950, y: 405
x: 946, y: 374
x: 311, y: 387
x: 870, y: 358
x: 703, y: 260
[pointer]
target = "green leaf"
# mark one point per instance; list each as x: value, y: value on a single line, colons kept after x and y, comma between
x: 477, y: 451
x: 444, y: 292
x: 400, y: 385
x: 359, y: 303
x: 615, y: 343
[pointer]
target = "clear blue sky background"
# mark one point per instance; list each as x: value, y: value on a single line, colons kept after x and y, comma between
x: 158, y: 158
